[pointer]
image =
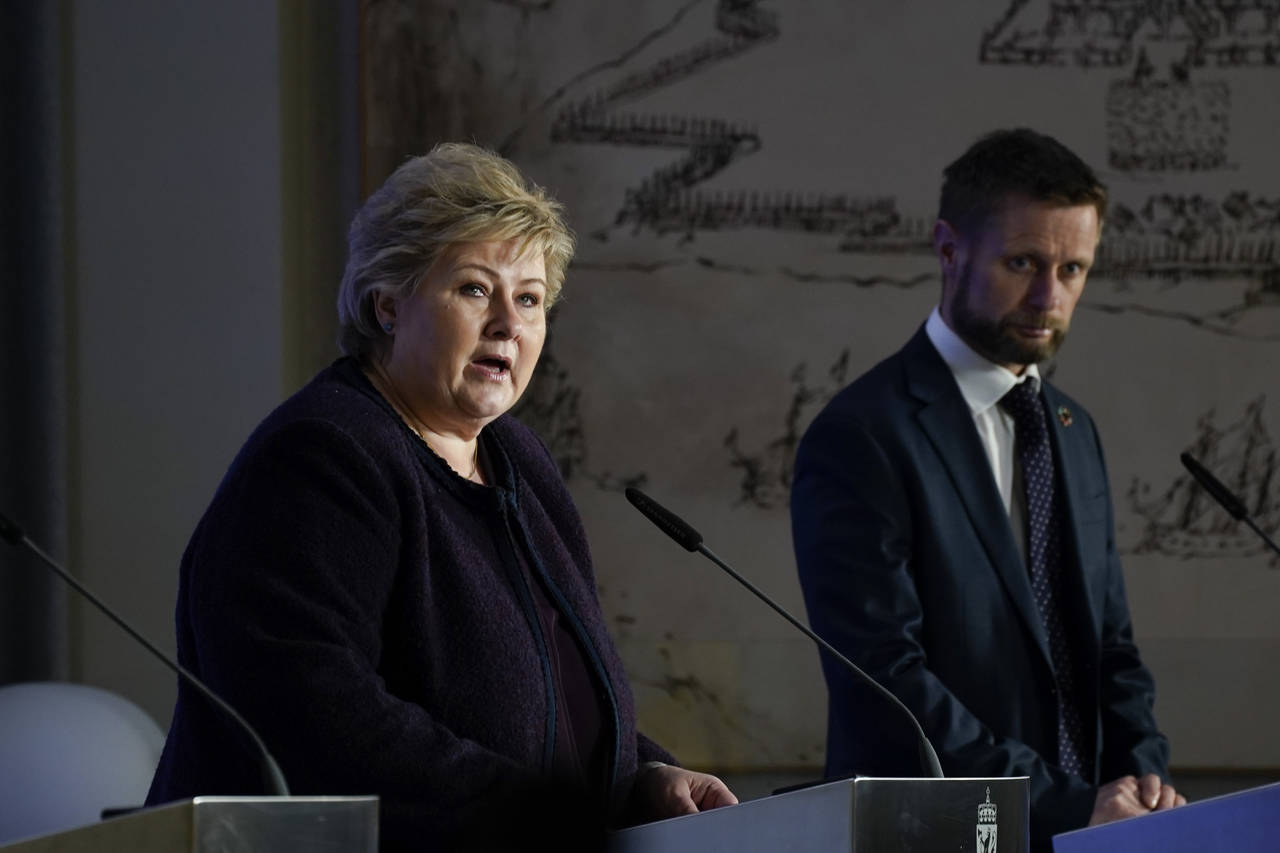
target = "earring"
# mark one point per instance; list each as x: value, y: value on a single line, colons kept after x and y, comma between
x: 387, y: 326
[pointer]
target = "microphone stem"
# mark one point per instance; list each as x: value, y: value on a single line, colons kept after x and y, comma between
x: 927, y: 754
x: 272, y: 774
x: 1248, y: 519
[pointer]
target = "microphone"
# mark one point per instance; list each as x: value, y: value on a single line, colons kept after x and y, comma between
x: 691, y: 540
x: 1224, y: 496
x: 272, y: 777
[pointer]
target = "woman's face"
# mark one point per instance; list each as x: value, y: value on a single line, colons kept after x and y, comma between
x: 465, y: 343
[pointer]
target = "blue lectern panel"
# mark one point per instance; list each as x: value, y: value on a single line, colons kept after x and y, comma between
x: 1237, y: 823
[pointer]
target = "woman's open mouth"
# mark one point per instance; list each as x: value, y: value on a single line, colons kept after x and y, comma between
x: 495, y: 367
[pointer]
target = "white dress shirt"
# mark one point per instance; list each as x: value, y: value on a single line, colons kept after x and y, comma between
x: 982, y: 384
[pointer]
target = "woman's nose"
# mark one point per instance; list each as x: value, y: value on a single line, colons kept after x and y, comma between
x: 504, y: 320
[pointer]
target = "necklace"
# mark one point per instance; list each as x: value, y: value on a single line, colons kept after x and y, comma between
x: 475, y: 453
x: 386, y: 387
x: 475, y: 463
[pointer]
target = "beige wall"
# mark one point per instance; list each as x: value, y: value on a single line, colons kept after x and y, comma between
x: 753, y: 185
x: 197, y: 218
x: 203, y: 148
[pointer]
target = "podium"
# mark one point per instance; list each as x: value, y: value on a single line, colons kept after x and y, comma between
x: 1243, y: 822
x: 225, y: 825
x: 862, y: 815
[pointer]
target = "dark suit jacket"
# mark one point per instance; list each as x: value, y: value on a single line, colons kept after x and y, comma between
x: 910, y: 567
x: 365, y: 608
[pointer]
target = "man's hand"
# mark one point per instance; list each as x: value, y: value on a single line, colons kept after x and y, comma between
x: 663, y: 791
x: 1130, y: 797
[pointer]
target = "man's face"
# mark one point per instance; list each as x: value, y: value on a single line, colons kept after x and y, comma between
x: 1010, y: 288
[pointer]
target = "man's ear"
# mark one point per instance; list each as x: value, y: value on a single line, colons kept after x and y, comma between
x: 946, y: 245
x: 950, y: 249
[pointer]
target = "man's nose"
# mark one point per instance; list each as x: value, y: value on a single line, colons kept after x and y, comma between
x: 1045, y: 290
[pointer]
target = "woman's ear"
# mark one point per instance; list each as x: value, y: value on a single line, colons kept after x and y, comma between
x: 384, y: 308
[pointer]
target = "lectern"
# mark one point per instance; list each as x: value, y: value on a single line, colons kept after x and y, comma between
x: 1245, y: 822
x: 226, y: 825
x: 862, y: 815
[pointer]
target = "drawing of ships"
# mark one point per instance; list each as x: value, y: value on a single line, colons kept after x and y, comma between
x: 1184, y: 521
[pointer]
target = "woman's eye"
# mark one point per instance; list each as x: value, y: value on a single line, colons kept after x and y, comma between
x: 472, y: 290
x: 530, y: 300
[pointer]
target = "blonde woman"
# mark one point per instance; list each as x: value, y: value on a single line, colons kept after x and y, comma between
x: 392, y: 583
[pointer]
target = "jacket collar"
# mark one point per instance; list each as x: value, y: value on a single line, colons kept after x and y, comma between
x: 982, y: 383
x: 946, y: 420
x: 501, y: 471
x: 1075, y: 452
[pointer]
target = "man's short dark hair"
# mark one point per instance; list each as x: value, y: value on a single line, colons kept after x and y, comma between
x: 1013, y: 163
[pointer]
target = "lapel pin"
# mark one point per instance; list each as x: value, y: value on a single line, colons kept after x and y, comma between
x: 1064, y: 416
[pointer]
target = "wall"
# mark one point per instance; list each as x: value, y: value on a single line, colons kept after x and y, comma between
x: 753, y: 184
x: 176, y: 303
x: 700, y: 332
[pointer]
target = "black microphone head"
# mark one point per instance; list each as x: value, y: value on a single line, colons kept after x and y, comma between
x: 1220, y: 493
x: 9, y: 531
x: 667, y: 521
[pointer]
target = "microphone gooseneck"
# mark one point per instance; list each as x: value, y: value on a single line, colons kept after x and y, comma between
x: 691, y: 540
x: 1225, y: 497
x: 272, y: 776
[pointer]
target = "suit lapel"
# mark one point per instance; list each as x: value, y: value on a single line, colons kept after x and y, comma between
x: 946, y: 420
x: 1073, y: 453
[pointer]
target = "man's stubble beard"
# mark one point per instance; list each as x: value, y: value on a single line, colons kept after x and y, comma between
x: 996, y: 340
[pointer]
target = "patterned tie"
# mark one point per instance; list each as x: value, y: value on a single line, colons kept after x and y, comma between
x: 1044, y: 558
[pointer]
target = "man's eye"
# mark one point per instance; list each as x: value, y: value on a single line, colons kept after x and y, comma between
x: 1020, y: 263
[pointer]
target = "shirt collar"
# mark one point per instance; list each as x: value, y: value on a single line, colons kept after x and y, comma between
x: 982, y: 382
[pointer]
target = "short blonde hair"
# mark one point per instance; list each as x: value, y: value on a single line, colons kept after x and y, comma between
x: 456, y: 194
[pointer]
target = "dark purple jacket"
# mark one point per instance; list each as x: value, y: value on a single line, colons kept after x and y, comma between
x: 363, y: 606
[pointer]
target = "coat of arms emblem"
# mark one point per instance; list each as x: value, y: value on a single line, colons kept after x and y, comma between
x: 987, y: 826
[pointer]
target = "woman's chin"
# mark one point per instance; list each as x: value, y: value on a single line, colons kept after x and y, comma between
x: 489, y: 405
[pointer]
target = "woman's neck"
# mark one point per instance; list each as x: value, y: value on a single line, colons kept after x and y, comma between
x: 460, y: 452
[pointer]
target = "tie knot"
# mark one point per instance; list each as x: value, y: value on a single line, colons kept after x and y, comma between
x: 1023, y: 402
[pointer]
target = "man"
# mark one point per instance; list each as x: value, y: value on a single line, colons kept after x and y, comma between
x: 953, y: 522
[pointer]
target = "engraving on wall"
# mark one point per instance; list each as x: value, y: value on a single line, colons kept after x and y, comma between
x: 1183, y: 521
x: 1158, y: 118
x: 754, y: 186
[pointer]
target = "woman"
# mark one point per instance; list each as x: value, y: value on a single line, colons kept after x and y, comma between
x: 392, y: 582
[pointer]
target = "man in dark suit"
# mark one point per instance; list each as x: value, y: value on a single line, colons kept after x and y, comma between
x: 953, y: 522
